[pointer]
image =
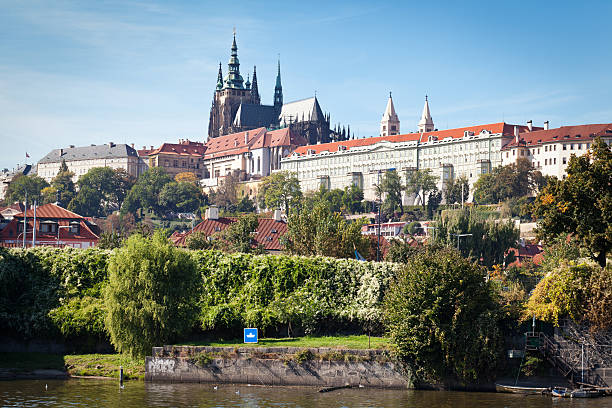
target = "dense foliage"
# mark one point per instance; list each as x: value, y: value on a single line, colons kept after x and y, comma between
x: 443, y: 318
x: 505, y: 182
x: 144, y: 194
x: 20, y: 185
x: 477, y: 237
x: 101, y: 191
x: 290, y: 293
x: 151, y: 297
x: 280, y: 190
x: 581, y: 204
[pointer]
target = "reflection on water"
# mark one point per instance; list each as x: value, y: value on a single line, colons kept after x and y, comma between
x: 97, y: 393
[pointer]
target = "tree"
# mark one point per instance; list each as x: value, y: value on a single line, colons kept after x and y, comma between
x: 514, y: 180
x: 186, y: 177
x: 226, y: 195
x: 433, y: 202
x: 487, y: 241
x: 245, y: 205
x: 581, y: 204
x: 101, y: 191
x: 239, y: 235
x: 323, y: 232
x: 144, y: 194
x: 456, y: 190
x: 391, y: 186
x: 33, y: 185
x: 197, y: 240
x: 280, y: 190
x: 421, y: 183
x: 62, y: 188
x: 180, y: 197
x: 352, y: 196
x: 442, y: 318
x: 152, y: 294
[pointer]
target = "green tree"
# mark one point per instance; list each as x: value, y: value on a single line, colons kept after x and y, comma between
x: 239, y: 236
x: 421, y: 183
x: 245, y: 205
x: 456, y: 190
x: 62, y: 188
x: 144, y: 194
x: 33, y: 185
x: 487, y: 241
x: 101, y: 191
x: 514, y: 180
x: 280, y: 190
x: 581, y: 204
x: 391, y: 186
x: 226, y: 195
x: 151, y: 296
x: 197, y: 240
x: 352, y: 196
x: 323, y: 232
x: 180, y: 197
x: 443, y: 319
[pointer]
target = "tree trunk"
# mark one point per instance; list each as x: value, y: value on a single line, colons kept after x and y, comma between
x: 601, y: 258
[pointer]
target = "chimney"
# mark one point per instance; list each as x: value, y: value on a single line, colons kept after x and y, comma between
x: 530, y: 125
x: 516, y: 134
x: 61, y: 152
x: 246, y: 138
x: 144, y: 147
x: 72, y: 146
x: 546, y: 125
x: 151, y: 147
x: 277, y: 215
x: 212, y: 213
x: 132, y: 144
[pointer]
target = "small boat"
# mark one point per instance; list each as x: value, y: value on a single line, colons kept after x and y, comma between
x: 560, y: 392
x: 585, y: 393
x: 520, y: 390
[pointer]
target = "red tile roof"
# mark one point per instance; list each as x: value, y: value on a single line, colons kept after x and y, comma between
x: 495, y: 128
x: 563, y: 133
x: 232, y: 143
x: 184, y: 148
x: 49, y: 211
x: 268, y: 231
x: 531, y: 252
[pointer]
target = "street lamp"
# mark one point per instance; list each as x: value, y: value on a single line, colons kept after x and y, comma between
x: 59, y: 227
x: 459, y: 236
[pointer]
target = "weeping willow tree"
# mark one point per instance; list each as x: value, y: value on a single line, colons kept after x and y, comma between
x: 151, y: 296
x: 477, y: 235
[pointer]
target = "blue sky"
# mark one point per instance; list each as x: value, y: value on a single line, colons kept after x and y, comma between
x: 143, y: 72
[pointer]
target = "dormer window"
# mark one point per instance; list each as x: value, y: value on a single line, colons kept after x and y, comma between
x: 75, y: 227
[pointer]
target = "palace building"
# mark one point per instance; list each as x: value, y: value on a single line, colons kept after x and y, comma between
x: 237, y: 107
x: 468, y: 151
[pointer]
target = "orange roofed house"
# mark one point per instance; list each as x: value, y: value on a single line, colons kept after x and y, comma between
x: 268, y: 234
x: 175, y: 158
x: 55, y: 226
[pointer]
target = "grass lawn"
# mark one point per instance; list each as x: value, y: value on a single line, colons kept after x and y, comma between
x: 101, y: 365
x: 347, y: 342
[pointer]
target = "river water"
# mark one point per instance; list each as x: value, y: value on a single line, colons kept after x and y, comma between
x: 106, y: 393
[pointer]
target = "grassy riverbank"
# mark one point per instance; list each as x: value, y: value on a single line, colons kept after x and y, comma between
x: 95, y: 365
x: 344, y: 342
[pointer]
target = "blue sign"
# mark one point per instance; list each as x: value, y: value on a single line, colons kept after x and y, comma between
x: 250, y: 335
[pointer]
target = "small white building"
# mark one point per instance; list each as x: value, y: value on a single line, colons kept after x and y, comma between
x: 549, y: 150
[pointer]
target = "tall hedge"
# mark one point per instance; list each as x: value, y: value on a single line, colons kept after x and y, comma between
x: 57, y: 293
x: 307, y: 294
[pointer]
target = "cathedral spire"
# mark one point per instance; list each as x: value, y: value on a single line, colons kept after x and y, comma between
x: 390, y: 124
x: 426, y: 123
x: 278, y: 90
x: 254, y: 89
x: 220, y: 78
x: 234, y: 79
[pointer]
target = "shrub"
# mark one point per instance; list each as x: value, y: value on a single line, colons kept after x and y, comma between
x: 151, y: 295
x: 303, y: 356
x: 442, y: 318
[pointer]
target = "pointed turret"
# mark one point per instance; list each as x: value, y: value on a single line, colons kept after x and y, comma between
x: 220, y: 79
x: 278, y: 91
x: 426, y: 123
x: 390, y: 124
x: 234, y: 79
x: 254, y: 89
x: 247, y: 84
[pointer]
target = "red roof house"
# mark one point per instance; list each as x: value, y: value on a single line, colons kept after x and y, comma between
x: 55, y: 226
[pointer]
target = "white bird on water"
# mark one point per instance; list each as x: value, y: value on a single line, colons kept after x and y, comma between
x: 215, y: 388
x: 45, y: 387
x: 238, y: 392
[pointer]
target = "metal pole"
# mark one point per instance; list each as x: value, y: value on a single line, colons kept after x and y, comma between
x: 25, y: 216
x: 462, y: 195
x: 582, y: 355
x: 34, y: 227
x: 379, y: 205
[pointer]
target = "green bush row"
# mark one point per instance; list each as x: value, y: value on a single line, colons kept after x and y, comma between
x: 57, y: 293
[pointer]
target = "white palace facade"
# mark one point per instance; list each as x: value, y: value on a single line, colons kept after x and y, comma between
x: 468, y: 151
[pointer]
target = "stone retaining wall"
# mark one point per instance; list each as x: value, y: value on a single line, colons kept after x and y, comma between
x: 274, y: 366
